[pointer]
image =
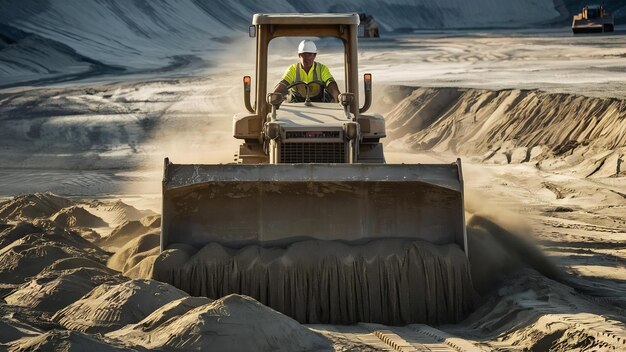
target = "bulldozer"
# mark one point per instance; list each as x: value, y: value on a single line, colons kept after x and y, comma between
x: 593, y: 19
x: 310, y: 220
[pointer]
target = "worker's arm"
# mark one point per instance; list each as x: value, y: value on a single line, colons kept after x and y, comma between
x: 331, y: 85
x: 281, y: 87
x: 288, y: 76
x: 333, y: 89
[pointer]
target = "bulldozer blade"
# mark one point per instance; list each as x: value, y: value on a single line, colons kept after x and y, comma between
x: 237, y: 205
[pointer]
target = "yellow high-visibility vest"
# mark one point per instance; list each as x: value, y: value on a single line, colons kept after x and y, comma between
x: 295, y: 73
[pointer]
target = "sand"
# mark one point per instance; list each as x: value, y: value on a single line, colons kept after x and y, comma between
x: 59, y: 340
x: 77, y: 217
x: 53, y: 290
x: 537, y: 116
x: 521, y: 305
x: 340, y: 284
x: 232, y: 323
x: 11, y: 330
x: 513, y: 126
x: 129, y: 230
x: 34, y: 248
x: 135, y: 259
x: 32, y: 206
x: 109, y: 307
x: 116, y: 212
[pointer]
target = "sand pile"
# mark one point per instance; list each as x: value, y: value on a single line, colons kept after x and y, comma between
x: 78, y: 262
x: 52, y: 290
x: 110, y: 307
x: 42, y: 230
x: 130, y: 230
x: 534, y: 313
x: 171, y: 310
x: 232, y: 323
x: 11, y: 330
x: 60, y: 340
x: 76, y: 216
x: 116, y: 212
x: 30, y: 255
x: 136, y: 258
x: 14, y: 232
x: 28, y: 248
x: 511, y: 126
x: 387, y: 281
x: 32, y: 206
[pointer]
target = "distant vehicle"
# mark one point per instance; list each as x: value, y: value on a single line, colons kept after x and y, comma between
x: 368, y: 28
x: 592, y: 19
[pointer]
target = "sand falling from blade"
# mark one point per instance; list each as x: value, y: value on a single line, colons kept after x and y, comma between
x: 387, y: 281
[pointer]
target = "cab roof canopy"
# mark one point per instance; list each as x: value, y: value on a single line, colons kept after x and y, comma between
x: 306, y: 18
x: 273, y: 25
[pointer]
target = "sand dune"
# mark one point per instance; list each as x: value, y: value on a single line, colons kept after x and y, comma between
x: 129, y: 230
x: 51, y: 290
x: 533, y: 312
x: 110, y: 307
x: 115, y: 213
x: 33, y: 206
x: 63, y: 340
x: 116, y: 221
x: 76, y: 216
x: 217, y: 325
x: 11, y: 330
x: 513, y: 126
x: 159, y: 317
x: 28, y: 252
x: 79, y: 262
x: 135, y: 259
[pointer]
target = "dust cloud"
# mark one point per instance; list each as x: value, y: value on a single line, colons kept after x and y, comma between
x: 192, y: 121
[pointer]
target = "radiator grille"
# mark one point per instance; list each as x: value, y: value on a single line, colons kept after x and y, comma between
x: 312, y: 134
x: 292, y: 153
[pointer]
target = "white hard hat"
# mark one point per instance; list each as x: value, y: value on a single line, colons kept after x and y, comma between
x: 307, y: 46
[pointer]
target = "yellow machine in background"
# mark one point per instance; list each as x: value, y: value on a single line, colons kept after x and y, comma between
x: 593, y: 19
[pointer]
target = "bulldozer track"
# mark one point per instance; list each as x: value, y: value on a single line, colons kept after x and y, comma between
x: 410, y: 338
x: 420, y: 337
x: 594, y: 325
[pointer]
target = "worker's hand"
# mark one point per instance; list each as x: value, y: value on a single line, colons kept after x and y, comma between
x: 280, y: 102
x: 275, y: 99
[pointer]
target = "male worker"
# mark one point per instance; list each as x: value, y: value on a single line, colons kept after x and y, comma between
x: 308, y: 70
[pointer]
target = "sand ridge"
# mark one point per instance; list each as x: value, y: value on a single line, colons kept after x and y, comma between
x: 136, y: 258
x: 216, y: 325
x: 129, y: 230
x: 32, y: 206
x: 109, y: 307
x: 76, y: 216
x: 31, y: 248
x: 513, y: 126
x: 52, y: 290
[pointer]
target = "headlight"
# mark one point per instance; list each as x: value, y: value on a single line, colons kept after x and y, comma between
x: 272, y: 130
x: 351, y: 129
